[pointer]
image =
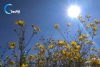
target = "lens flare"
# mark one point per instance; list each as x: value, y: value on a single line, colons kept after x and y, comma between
x: 74, y: 11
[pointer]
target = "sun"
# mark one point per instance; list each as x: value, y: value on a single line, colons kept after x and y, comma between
x: 74, y: 11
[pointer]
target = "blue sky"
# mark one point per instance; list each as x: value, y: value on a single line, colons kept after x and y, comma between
x: 43, y: 13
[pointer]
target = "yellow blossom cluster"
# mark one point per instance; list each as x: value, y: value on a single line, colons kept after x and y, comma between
x: 34, y: 28
x: 63, y: 53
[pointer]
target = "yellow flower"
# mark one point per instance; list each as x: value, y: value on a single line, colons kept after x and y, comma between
x: 78, y: 47
x: 63, y: 52
x: 87, y: 26
x: 82, y: 20
x: 51, y: 46
x: 83, y: 35
x: 76, y: 58
x: 99, y: 62
x: 78, y: 55
x: 67, y: 46
x: 94, y: 33
x: 88, y: 16
x: 35, y: 28
x: 92, y: 43
x: 91, y: 24
x: 11, y: 62
x: 37, y: 44
x: 38, y: 28
x: 41, y: 63
x: 54, y: 59
x: 80, y: 17
x: 92, y: 55
x: 95, y: 28
x: 32, y: 25
x: 81, y: 38
x: 71, y: 59
x: 7, y: 57
x: 76, y: 51
x: 73, y: 43
x: 43, y: 50
x: 31, y: 57
x: 12, y: 45
x: 94, y: 61
x: 62, y: 57
x: 87, y: 35
x: 41, y: 46
x: 24, y: 56
x: 70, y: 56
x: 87, y: 59
x: 61, y: 42
x: 24, y: 65
x: 15, y: 55
x: 56, y: 26
x: 88, y: 41
x: 68, y: 24
x: 20, y: 22
x: 92, y: 48
x: 96, y: 21
x: 56, y: 54
x: 0, y: 64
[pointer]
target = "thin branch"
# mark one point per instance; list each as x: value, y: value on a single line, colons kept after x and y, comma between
x: 62, y: 34
x: 29, y: 40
